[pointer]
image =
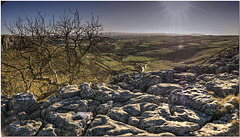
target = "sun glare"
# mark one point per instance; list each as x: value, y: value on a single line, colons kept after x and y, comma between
x: 177, y: 13
x: 176, y: 8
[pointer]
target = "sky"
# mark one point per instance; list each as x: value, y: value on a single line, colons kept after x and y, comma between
x: 182, y: 17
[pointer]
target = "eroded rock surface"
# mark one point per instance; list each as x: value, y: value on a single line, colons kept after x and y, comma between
x: 103, y: 125
x: 22, y: 128
x: 183, y: 101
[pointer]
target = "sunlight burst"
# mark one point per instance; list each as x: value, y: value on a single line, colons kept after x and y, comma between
x: 177, y: 12
x: 176, y: 8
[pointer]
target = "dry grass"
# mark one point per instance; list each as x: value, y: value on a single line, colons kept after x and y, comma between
x: 222, y: 109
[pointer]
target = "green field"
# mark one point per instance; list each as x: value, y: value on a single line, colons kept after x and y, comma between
x: 165, y: 52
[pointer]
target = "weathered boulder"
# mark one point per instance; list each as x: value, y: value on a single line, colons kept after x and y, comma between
x: 140, y: 81
x: 147, y: 81
x: 235, y: 72
x: 49, y: 130
x: 162, y: 89
x: 33, y: 108
x: 92, y: 106
x: 22, y: 128
x: 206, y: 77
x: 133, y: 109
x: 207, y: 69
x: 22, y: 116
x: 126, y: 86
x: 35, y: 115
x: 168, y: 76
x: 21, y: 102
x: 117, y: 113
x: 149, y: 116
x: 114, y: 87
x: 235, y: 59
x: 212, y: 129
x: 226, y: 76
x: 172, y: 113
x: 196, y: 69
x: 146, y: 98
x: 66, y: 105
x: 190, y: 77
x: 232, y: 66
x: 182, y: 113
x: 148, y: 122
x: 223, y: 88
x: 220, y: 63
x: 123, y: 76
x: 104, y: 108
x: 196, y: 98
x: 114, y: 95
x: 71, y: 115
x: 175, y: 127
x: 103, y: 125
x: 67, y: 92
x: 222, y: 69
x: 180, y: 69
x: 51, y: 100
x: 86, y: 91
x: 71, y: 123
x: 134, y: 121
x: 10, y: 119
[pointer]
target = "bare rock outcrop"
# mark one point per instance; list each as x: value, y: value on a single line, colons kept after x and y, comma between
x: 199, y: 100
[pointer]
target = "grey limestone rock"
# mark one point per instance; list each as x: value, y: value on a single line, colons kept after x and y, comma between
x: 103, y: 125
x: 67, y: 92
x: 223, y: 88
x: 49, y: 130
x: 175, y: 127
x: 114, y: 95
x: 126, y: 86
x: 86, y: 91
x: 190, y: 77
x: 162, y: 89
x: 22, y: 128
x: 217, y: 129
x: 104, y: 108
x: 117, y: 113
x: 10, y: 119
x: 222, y: 69
x: 196, y: 98
x: 148, y: 81
x: 22, y: 116
x: 52, y: 99
x: 21, y: 102
x: 72, y: 123
x: 71, y: 104
x: 146, y: 98
x: 180, y: 69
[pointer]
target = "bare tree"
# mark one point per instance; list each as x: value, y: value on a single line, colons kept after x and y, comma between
x: 54, y: 53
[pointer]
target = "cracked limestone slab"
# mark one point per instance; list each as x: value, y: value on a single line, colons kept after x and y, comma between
x: 22, y: 128
x: 103, y: 125
x: 71, y: 123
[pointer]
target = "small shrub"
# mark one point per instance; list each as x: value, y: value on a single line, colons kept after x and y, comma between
x: 225, y: 106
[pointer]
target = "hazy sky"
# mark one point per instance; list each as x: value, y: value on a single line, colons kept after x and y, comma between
x: 205, y: 17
